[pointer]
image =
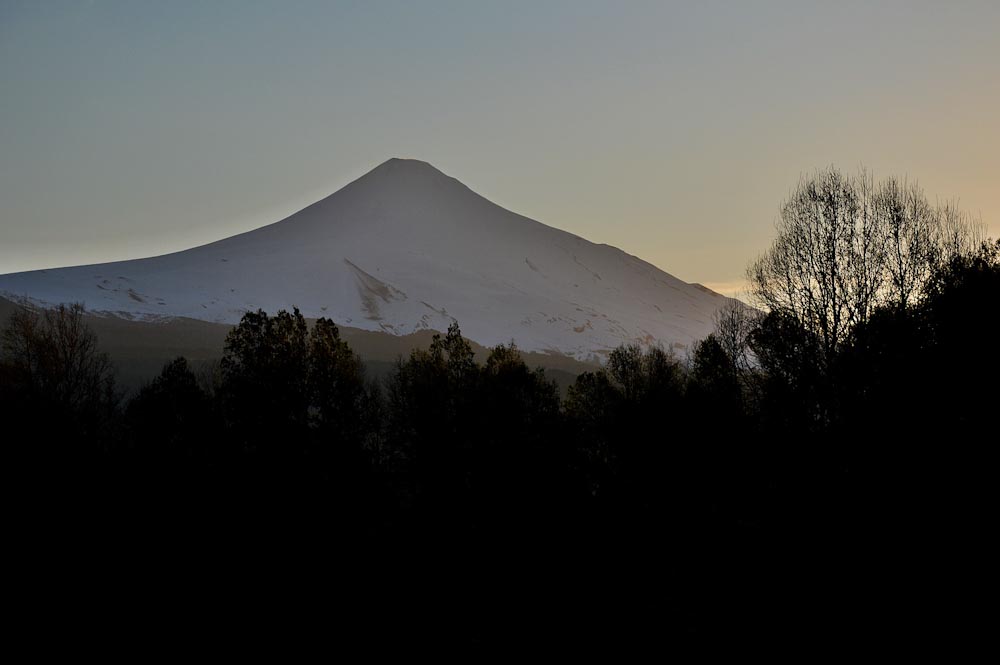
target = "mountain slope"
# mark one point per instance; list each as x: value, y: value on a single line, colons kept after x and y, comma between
x: 402, y: 249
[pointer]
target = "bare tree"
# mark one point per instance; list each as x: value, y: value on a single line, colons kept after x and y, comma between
x: 55, y: 352
x: 908, y: 224
x: 51, y: 360
x: 863, y: 278
x: 819, y: 268
x: 847, y: 245
x: 734, y: 324
x: 956, y: 232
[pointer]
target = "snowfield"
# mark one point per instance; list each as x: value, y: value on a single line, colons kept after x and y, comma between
x: 404, y: 248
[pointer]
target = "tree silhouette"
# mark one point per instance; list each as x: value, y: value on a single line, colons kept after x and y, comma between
x: 433, y: 422
x: 336, y: 382
x: 516, y: 457
x: 962, y: 319
x: 592, y: 406
x: 172, y: 417
x: 265, y: 391
x: 55, y: 376
x: 848, y: 245
x: 342, y: 408
x: 715, y: 379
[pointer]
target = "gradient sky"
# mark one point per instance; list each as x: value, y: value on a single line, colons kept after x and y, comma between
x: 671, y: 130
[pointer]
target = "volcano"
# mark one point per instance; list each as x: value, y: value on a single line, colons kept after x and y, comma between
x: 402, y: 249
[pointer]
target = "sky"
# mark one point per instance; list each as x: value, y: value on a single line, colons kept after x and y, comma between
x: 671, y: 130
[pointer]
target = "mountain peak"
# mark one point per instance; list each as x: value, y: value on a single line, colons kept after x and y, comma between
x: 399, y: 165
x: 407, y: 161
x: 412, y: 179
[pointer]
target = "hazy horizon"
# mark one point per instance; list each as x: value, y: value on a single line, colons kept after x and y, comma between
x: 672, y: 132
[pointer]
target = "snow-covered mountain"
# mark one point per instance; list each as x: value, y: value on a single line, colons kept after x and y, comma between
x: 404, y: 248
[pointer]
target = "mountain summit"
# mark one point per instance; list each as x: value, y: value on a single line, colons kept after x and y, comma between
x: 404, y: 248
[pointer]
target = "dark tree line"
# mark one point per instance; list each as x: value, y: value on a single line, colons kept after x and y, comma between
x: 791, y: 477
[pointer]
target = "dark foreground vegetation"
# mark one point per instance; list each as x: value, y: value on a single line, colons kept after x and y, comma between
x: 819, y: 474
